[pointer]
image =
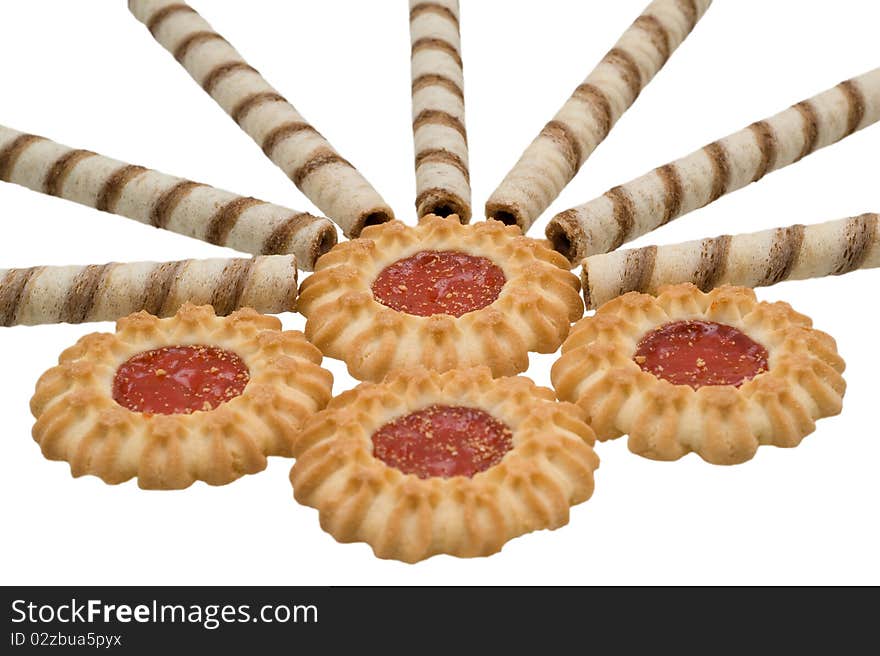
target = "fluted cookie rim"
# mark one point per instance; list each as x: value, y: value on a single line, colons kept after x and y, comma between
x: 359, y: 498
x: 533, y: 312
x: 722, y: 424
x: 78, y: 420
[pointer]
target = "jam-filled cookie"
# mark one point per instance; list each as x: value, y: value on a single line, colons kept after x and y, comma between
x: 172, y: 401
x: 457, y: 463
x: 716, y: 373
x: 440, y: 295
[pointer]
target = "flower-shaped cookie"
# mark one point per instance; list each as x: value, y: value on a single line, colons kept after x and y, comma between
x: 440, y: 295
x: 426, y: 463
x: 716, y: 373
x: 171, y: 401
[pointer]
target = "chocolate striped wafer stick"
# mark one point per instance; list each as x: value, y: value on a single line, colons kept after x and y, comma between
x: 648, y: 202
x: 755, y: 259
x: 183, y: 206
x: 586, y: 118
x: 442, y: 178
x: 106, y: 292
x: 307, y: 158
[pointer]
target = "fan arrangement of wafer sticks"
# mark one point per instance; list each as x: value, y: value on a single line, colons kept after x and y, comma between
x: 587, y: 235
x: 282, y: 240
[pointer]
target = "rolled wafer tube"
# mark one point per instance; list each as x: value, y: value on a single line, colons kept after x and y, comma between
x: 586, y: 118
x: 442, y: 178
x: 637, y: 207
x: 106, y: 292
x: 183, y: 206
x: 755, y: 259
x: 307, y: 158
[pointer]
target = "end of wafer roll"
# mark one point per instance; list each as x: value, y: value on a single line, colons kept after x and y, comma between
x: 304, y: 235
x: 370, y: 217
x: 507, y: 213
x: 442, y: 203
x: 607, y: 276
x: 325, y: 239
x: 566, y: 237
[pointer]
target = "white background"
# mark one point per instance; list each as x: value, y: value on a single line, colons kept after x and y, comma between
x: 89, y: 75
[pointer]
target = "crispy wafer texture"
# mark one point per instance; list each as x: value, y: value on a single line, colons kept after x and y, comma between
x: 106, y: 292
x: 583, y: 122
x: 637, y: 207
x: 164, y: 201
x: 755, y: 259
x: 306, y: 157
x: 442, y: 177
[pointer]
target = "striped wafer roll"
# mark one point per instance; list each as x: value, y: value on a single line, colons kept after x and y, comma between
x: 106, y: 292
x: 646, y: 203
x: 183, y: 206
x: 307, y: 158
x: 442, y: 178
x: 755, y: 259
x: 586, y: 118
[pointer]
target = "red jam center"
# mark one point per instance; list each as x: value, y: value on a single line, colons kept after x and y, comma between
x: 443, y: 440
x: 699, y: 353
x: 439, y: 282
x: 179, y: 380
